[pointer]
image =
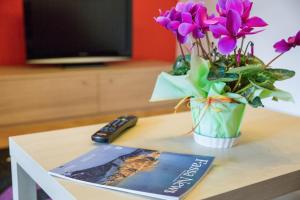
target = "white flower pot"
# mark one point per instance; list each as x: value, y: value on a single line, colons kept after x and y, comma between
x: 219, y: 143
x: 216, y: 125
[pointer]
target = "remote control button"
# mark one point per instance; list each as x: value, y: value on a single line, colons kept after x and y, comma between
x: 102, y: 134
x: 111, y: 129
x: 107, y: 129
x: 121, y: 122
x: 115, y: 123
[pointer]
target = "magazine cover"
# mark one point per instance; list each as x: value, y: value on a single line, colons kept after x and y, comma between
x: 145, y: 172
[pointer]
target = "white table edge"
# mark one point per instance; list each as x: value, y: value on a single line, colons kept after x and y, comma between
x: 24, y: 187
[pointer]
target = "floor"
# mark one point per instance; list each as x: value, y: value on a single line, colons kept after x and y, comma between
x: 4, y: 170
x: 5, y: 178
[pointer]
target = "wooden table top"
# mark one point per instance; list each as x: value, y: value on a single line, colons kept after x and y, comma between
x: 265, y: 163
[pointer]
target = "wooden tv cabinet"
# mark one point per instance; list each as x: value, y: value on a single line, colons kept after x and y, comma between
x: 39, y: 94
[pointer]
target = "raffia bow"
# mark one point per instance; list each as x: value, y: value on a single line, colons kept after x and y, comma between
x: 208, y: 104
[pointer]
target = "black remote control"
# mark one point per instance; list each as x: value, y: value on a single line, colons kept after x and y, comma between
x: 114, y: 129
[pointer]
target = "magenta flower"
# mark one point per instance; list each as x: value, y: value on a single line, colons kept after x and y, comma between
x: 234, y: 22
x: 187, y: 6
x: 196, y: 21
x: 165, y: 18
x: 171, y: 19
x: 283, y: 46
x: 243, y: 7
x: 229, y: 33
x: 203, y: 20
x: 185, y: 19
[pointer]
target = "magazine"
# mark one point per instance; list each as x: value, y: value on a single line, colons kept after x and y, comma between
x: 145, y: 172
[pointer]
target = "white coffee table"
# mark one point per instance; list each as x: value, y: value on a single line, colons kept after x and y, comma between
x: 264, y: 165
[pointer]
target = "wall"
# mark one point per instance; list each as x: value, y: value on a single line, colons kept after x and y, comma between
x: 283, y: 19
x: 150, y: 41
x: 12, y: 50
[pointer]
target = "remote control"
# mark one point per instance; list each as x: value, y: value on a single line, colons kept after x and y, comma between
x: 114, y: 129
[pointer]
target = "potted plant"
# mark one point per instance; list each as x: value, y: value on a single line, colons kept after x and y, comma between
x: 218, y: 81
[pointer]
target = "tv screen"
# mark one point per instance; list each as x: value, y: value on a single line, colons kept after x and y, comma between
x: 77, y: 31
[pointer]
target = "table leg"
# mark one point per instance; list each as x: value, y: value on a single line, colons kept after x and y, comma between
x: 24, y: 188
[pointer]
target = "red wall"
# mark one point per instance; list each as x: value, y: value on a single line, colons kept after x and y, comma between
x: 150, y: 41
x: 11, y: 33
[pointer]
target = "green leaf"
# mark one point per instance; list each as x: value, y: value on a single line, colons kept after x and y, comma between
x: 278, y: 94
x: 180, y: 61
x: 180, y: 71
x: 256, y: 102
x: 254, y: 61
x: 263, y: 79
x: 248, y: 69
x: 248, y: 92
x: 181, y: 65
x: 218, y: 73
x: 281, y: 74
x: 226, y: 77
x: 220, y: 64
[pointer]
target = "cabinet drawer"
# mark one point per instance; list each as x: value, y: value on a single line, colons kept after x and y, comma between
x: 39, y: 98
x: 128, y: 89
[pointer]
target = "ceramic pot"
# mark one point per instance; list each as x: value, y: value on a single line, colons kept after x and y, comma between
x: 216, y: 125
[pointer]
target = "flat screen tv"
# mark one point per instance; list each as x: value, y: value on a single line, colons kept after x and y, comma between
x: 77, y: 31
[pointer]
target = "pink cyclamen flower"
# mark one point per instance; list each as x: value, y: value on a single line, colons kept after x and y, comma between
x: 234, y: 22
x: 229, y: 33
x: 243, y: 7
x: 185, y: 19
x: 196, y: 21
x: 171, y: 19
x: 283, y: 46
